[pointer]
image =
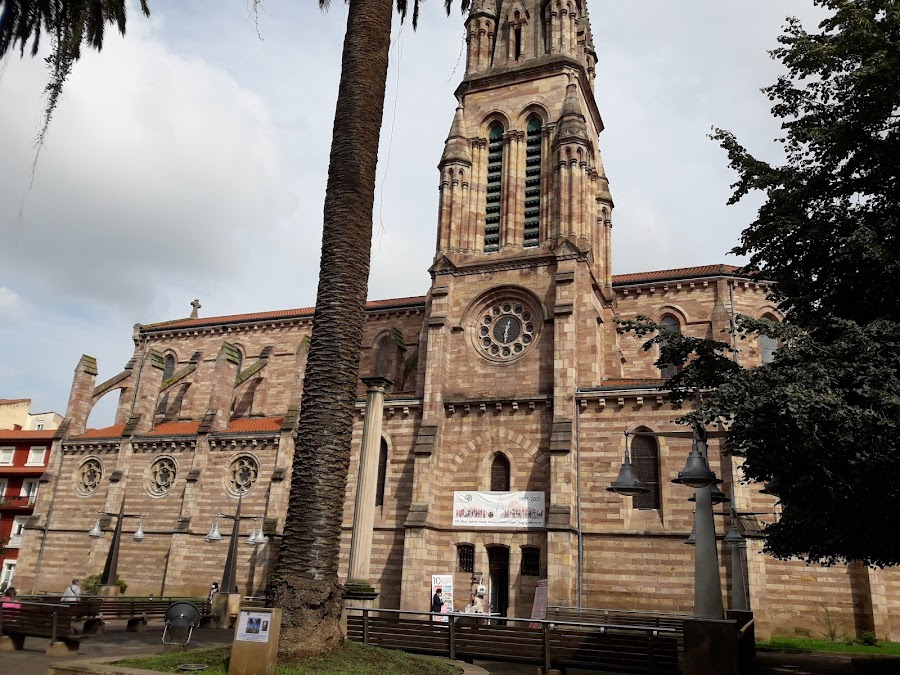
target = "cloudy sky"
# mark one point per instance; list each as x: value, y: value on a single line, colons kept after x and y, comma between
x: 188, y: 160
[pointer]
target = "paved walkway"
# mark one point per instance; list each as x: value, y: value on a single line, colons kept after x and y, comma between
x: 33, y: 661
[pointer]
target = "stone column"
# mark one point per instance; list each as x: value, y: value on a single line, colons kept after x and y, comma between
x: 364, y: 508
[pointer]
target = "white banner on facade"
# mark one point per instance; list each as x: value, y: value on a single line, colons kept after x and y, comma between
x: 498, y: 509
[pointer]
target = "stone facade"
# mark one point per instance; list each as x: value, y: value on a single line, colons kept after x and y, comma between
x: 513, y: 354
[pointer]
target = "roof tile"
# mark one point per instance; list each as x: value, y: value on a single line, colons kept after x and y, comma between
x: 115, y: 431
x: 254, y: 424
x: 20, y: 434
x: 274, y: 315
x: 677, y: 273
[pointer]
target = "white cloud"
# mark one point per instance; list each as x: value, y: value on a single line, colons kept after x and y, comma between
x: 189, y: 160
x: 12, y: 307
x: 155, y: 168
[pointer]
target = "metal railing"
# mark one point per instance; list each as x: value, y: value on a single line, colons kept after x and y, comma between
x: 627, y: 648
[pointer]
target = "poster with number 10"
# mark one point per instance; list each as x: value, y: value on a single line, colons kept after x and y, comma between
x: 445, y: 583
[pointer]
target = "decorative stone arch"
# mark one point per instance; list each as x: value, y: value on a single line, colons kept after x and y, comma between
x: 672, y: 310
x: 242, y: 352
x: 493, y: 117
x: 505, y: 292
x: 388, y: 349
x: 123, y: 388
x: 483, y: 444
x: 768, y: 311
x: 534, y: 109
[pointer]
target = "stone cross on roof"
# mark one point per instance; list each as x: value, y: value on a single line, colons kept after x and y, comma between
x: 196, y: 305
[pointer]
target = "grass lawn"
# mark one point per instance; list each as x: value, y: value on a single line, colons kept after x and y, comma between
x: 826, y: 646
x: 353, y: 659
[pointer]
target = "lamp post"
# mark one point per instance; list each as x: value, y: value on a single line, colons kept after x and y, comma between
x: 112, y: 558
x: 256, y: 538
x: 697, y: 475
x: 738, y: 587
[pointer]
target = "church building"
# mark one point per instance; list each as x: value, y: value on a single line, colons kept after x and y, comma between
x: 501, y: 394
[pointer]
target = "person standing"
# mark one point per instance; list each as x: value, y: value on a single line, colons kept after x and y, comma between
x: 437, y: 601
x: 212, y: 591
x: 72, y: 593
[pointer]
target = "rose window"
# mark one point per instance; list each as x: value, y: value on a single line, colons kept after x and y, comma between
x: 161, y: 477
x: 242, y: 474
x: 88, y: 475
x: 506, y: 330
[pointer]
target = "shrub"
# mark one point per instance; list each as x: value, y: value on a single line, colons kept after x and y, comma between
x: 869, y: 638
x: 91, y: 583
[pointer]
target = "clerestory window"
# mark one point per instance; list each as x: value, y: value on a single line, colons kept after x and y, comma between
x: 645, y: 457
x: 669, y: 324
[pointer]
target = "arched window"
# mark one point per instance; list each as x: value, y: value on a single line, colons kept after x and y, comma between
x: 382, y: 473
x: 669, y: 324
x: 533, y: 183
x: 494, y: 189
x: 389, y: 357
x: 168, y: 371
x: 645, y: 457
x: 767, y: 347
x: 500, y: 474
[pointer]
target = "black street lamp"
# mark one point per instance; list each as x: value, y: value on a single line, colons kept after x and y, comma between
x: 627, y: 482
x: 112, y: 558
x: 697, y: 475
x: 256, y: 538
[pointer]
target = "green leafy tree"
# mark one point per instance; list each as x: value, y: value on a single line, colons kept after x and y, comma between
x: 822, y: 419
x: 305, y: 580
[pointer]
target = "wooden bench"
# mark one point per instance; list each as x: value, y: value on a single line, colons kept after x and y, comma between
x: 135, y: 611
x: 95, y: 612
x: 41, y: 619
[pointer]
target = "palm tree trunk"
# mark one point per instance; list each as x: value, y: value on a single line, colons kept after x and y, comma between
x: 305, y: 580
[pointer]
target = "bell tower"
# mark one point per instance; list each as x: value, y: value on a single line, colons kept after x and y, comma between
x: 519, y: 316
x: 521, y: 170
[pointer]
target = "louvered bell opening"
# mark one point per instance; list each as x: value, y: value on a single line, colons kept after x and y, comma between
x: 645, y: 457
x: 494, y: 187
x: 532, y: 228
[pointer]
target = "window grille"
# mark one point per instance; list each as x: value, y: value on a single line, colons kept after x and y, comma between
x: 533, y: 183
x: 382, y: 473
x: 531, y: 561
x: 645, y: 457
x: 465, y: 558
x: 500, y: 474
x: 494, y: 189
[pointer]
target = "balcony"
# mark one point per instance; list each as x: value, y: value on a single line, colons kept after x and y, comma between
x: 14, y: 541
x: 17, y: 503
